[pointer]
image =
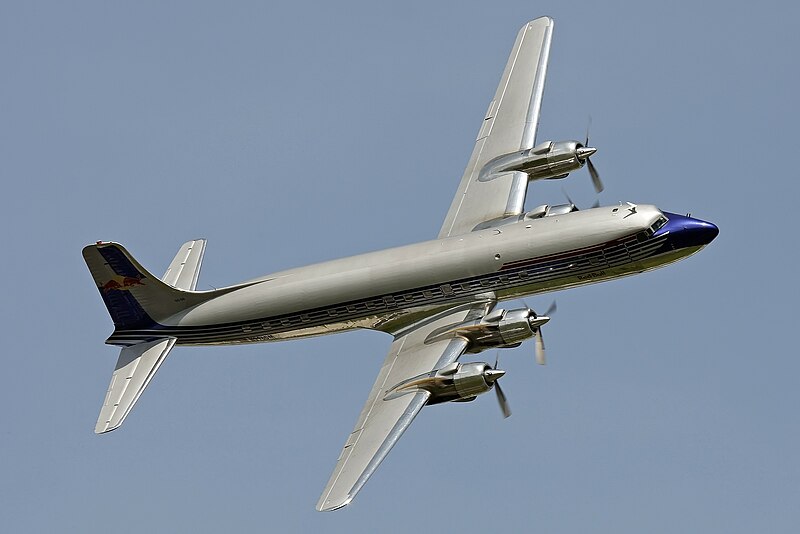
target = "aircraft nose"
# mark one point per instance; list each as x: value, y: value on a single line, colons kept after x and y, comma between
x: 690, y: 232
x: 703, y: 232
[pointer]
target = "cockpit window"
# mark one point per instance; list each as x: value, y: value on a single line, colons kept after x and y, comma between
x: 655, y: 227
x: 658, y: 224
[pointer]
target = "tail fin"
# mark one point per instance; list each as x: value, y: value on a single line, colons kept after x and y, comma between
x: 134, y: 297
x: 138, y: 300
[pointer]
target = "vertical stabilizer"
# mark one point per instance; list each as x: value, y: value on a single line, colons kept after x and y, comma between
x: 135, y: 298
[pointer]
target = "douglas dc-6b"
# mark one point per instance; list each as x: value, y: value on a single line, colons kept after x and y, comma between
x: 438, y: 299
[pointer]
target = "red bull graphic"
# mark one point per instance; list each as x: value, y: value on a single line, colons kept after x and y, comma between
x: 122, y: 283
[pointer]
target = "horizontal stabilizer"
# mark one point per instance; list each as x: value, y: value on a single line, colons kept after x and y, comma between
x: 185, y: 268
x: 135, y: 368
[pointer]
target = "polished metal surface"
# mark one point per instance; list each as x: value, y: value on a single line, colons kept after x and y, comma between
x: 560, y: 209
x: 549, y: 160
x: 584, y: 152
x: 437, y: 298
x: 500, y: 329
x: 451, y: 384
x: 509, y: 125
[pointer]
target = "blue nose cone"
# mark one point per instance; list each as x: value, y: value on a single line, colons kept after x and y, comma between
x: 689, y: 232
x: 705, y: 231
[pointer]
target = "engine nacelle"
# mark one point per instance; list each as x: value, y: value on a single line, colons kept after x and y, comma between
x: 499, y: 329
x: 548, y: 160
x: 457, y: 382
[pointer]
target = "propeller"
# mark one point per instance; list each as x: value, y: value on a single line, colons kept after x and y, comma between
x: 540, y: 352
x: 583, y: 154
x: 491, y: 377
x: 540, y: 320
x: 595, y: 204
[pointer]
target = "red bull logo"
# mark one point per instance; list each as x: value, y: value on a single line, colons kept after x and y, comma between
x: 122, y: 283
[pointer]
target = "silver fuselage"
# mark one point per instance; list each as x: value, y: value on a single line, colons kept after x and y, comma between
x: 389, y: 289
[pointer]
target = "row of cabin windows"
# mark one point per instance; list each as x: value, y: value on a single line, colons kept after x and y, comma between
x: 595, y: 259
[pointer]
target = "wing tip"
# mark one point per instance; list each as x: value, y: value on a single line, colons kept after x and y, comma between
x: 104, y: 428
x: 328, y: 506
x: 544, y: 23
x: 545, y: 19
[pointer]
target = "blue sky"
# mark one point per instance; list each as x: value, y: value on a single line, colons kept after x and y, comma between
x: 293, y: 133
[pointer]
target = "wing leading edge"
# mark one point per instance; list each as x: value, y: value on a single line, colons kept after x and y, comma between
x: 382, y: 422
x: 509, y: 125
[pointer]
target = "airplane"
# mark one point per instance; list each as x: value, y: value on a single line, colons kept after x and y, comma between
x: 438, y: 299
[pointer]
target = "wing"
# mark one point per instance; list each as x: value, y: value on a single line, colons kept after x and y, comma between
x: 510, y: 125
x: 382, y: 422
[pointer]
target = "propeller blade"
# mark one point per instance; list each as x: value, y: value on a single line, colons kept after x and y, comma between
x: 588, y: 125
x: 540, y: 355
x: 552, y: 309
x: 596, y: 204
x: 598, y: 184
x: 501, y: 399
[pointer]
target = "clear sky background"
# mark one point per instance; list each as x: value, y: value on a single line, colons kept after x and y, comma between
x: 293, y: 133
